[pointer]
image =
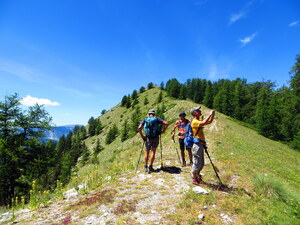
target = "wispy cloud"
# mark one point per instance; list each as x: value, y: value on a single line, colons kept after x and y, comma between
x: 30, y: 101
x: 295, y: 23
x: 235, y: 17
x: 248, y: 39
x: 241, y: 14
x: 74, y: 92
x: 218, y: 71
x: 22, y: 71
x: 212, y: 74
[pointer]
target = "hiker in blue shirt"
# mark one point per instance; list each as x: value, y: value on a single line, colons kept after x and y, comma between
x: 151, y: 137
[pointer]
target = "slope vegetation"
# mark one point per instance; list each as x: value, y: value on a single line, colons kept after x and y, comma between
x: 260, y: 177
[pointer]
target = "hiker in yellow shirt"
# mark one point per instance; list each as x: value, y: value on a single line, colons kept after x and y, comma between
x: 199, y: 142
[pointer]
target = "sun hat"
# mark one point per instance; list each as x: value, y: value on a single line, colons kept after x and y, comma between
x: 194, y: 109
x: 182, y: 113
x: 151, y: 111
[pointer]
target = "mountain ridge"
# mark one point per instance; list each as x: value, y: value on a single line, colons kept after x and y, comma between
x: 248, y: 164
x: 56, y: 132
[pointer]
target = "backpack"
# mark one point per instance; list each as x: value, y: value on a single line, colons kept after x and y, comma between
x: 151, y: 127
x: 189, y: 138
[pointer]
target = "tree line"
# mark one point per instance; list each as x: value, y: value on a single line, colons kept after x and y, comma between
x: 25, y: 159
x: 273, y: 112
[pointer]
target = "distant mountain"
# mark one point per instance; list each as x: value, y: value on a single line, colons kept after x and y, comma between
x: 58, y: 131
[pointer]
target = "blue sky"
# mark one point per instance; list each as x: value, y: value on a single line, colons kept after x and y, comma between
x: 79, y: 57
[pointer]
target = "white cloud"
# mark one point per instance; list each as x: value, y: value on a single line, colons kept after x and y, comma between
x: 242, y: 13
x: 30, y: 101
x: 295, y: 23
x: 236, y: 17
x: 248, y: 39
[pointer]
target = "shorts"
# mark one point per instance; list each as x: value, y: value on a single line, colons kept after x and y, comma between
x: 151, y: 143
x: 198, y: 157
x: 181, y: 144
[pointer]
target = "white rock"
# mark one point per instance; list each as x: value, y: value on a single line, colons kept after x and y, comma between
x: 82, y: 186
x: 72, y: 193
x: 226, y: 218
x: 201, y: 216
x: 200, y: 190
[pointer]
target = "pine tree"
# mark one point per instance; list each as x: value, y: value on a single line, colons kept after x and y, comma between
x: 112, y: 134
x: 92, y: 126
x: 146, y: 101
x: 150, y: 85
x: 264, y: 118
x: 99, y: 127
x: 128, y: 103
x: 134, y: 95
x: 173, y: 88
x: 208, y: 95
x: 125, y: 131
x: 85, y: 154
x: 238, y: 101
x: 124, y: 100
x: 135, y: 121
x: 160, y: 97
x: 295, y: 88
x: 182, y: 92
x: 142, y: 89
x: 135, y: 102
x: 20, y: 146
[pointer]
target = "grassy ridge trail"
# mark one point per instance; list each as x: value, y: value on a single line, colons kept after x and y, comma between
x: 262, y: 179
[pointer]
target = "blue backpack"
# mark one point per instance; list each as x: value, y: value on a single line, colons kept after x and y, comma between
x: 151, y: 127
x: 189, y: 138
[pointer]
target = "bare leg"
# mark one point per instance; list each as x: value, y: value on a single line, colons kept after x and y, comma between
x: 152, y: 156
x: 146, y: 157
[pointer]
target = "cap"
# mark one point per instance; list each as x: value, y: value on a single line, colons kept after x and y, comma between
x: 151, y: 111
x: 194, y: 109
x: 182, y: 113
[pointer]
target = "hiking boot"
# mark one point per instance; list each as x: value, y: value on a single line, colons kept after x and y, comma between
x: 183, y: 164
x: 151, y: 169
x: 196, y: 182
x: 199, y: 179
x: 146, y: 170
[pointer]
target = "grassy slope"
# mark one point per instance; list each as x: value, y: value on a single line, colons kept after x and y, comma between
x: 243, y: 157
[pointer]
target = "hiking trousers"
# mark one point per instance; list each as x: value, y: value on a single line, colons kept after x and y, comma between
x: 198, y: 157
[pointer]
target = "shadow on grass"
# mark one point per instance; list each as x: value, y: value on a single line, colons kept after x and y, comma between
x: 226, y: 188
x: 170, y: 169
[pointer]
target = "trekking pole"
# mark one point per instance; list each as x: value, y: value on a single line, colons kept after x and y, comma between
x: 161, y: 163
x: 176, y: 151
x: 205, y: 147
x: 140, y: 157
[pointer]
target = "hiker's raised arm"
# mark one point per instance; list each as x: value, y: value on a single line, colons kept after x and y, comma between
x: 211, y: 116
x: 209, y: 119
